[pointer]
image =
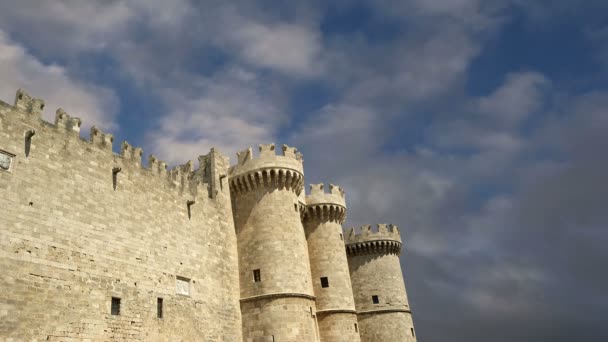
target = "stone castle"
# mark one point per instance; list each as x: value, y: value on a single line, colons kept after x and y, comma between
x: 96, y: 247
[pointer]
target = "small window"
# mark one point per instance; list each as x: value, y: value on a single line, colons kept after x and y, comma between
x: 257, y: 277
x: 182, y: 286
x: 324, y: 282
x: 159, y: 308
x: 375, y: 299
x: 295, y: 207
x: 115, y: 309
x: 413, y: 335
x: 341, y: 237
x: 356, y: 328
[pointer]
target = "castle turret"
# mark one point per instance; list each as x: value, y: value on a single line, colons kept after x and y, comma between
x: 277, y: 299
x: 383, y: 311
x: 323, y: 218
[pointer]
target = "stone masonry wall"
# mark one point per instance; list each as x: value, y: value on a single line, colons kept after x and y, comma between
x: 69, y: 241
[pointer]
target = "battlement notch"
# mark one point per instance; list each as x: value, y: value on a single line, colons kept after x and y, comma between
x: 67, y: 122
x: 384, y: 239
x: 130, y: 153
x: 28, y: 104
x: 101, y: 139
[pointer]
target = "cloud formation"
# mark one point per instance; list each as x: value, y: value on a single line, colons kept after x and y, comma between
x: 494, y: 172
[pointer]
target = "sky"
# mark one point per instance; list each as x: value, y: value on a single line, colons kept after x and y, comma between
x: 476, y: 126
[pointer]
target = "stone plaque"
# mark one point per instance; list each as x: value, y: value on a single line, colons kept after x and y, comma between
x: 5, y: 161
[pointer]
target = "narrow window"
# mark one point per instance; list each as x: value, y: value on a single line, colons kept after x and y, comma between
x: 413, y: 335
x: 341, y: 237
x: 159, y: 308
x: 115, y: 310
x: 28, y: 141
x: 257, y: 277
x: 375, y: 299
x: 295, y: 207
x: 182, y: 286
x: 324, y: 282
x: 356, y: 328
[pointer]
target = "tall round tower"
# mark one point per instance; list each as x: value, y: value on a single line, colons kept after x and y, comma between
x: 383, y: 311
x: 323, y: 218
x: 277, y: 300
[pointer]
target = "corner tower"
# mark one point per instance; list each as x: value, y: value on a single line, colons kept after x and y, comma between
x: 383, y: 311
x: 277, y: 300
x: 323, y: 218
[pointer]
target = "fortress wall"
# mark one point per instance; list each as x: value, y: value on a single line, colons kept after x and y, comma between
x: 271, y: 239
x: 279, y: 319
x: 380, y: 275
x: 69, y: 242
x: 328, y: 259
x: 338, y: 327
x: 391, y: 326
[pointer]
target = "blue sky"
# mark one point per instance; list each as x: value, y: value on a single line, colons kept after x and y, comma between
x: 476, y: 126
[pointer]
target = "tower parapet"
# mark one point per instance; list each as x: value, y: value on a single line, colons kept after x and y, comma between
x: 284, y: 170
x: 366, y: 240
x: 322, y: 204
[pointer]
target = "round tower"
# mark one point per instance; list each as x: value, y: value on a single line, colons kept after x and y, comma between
x: 323, y: 218
x: 383, y: 311
x: 277, y: 299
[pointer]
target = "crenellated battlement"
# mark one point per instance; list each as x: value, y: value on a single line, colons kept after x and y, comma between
x: 128, y: 152
x: 184, y: 178
x: 385, y: 238
x: 267, y: 170
x: 28, y: 104
x: 325, y: 205
x: 64, y: 121
x: 101, y: 139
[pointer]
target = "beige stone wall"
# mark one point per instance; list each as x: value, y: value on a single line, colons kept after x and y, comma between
x: 279, y: 319
x: 338, y: 327
x: 375, y: 270
x: 271, y: 239
x: 69, y: 241
x: 387, y: 327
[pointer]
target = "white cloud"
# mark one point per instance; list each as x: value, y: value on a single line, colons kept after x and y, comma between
x: 64, y: 26
x: 518, y: 97
x: 289, y: 48
x: 231, y: 111
x: 18, y: 69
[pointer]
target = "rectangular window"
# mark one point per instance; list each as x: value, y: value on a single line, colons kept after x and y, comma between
x: 341, y: 236
x: 182, y: 286
x: 159, y: 308
x: 324, y: 282
x: 257, y: 277
x: 375, y: 299
x: 413, y: 335
x: 356, y: 328
x: 115, y: 309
